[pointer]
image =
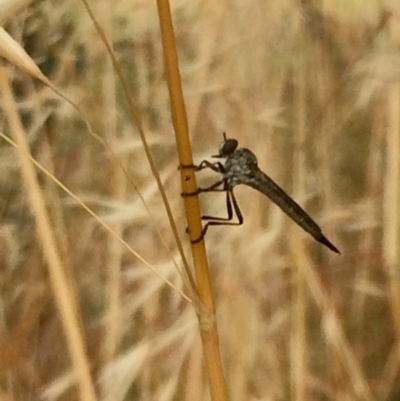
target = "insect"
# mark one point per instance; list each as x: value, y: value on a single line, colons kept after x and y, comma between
x: 241, y: 167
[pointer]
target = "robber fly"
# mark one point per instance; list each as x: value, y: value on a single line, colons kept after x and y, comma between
x: 241, y: 167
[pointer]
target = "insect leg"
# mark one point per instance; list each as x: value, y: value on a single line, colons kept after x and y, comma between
x: 211, y: 188
x: 223, y: 221
x: 216, y: 166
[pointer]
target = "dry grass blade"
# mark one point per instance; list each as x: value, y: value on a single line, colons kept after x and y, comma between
x: 335, y: 335
x: 392, y: 200
x: 93, y: 214
x: 62, y: 286
x: 118, y: 375
x: 14, y: 53
x: 137, y: 121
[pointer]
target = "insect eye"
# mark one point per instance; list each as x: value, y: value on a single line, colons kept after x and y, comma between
x: 228, y: 146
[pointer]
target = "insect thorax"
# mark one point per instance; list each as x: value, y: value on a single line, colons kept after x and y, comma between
x: 240, y: 167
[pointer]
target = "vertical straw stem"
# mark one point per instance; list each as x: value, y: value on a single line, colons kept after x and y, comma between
x: 391, y: 233
x: 206, y: 314
x: 298, y: 342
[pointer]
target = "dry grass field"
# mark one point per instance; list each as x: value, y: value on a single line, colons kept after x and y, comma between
x: 313, y: 88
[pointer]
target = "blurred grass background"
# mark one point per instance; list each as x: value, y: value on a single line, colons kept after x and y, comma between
x: 313, y: 89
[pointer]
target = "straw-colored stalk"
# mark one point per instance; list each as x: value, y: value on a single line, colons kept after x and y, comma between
x: 206, y: 314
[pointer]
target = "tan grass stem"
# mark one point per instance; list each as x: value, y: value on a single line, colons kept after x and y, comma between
x: 208, y: 325
x: 63, y: 288
x: 391, y: 234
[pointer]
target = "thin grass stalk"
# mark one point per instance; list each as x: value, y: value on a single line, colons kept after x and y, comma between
x: 135, y: 115
x: 63, y: 289
x: 98, y: 219
x: 112, y: 336
x: 325, y: 87
x: 298, y: 344
x: 55, y: 208
x: 118, y: 188
x: 340, y: 348
x: 207, y: 320
x: 391, y: 233
x: 370, y: 237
